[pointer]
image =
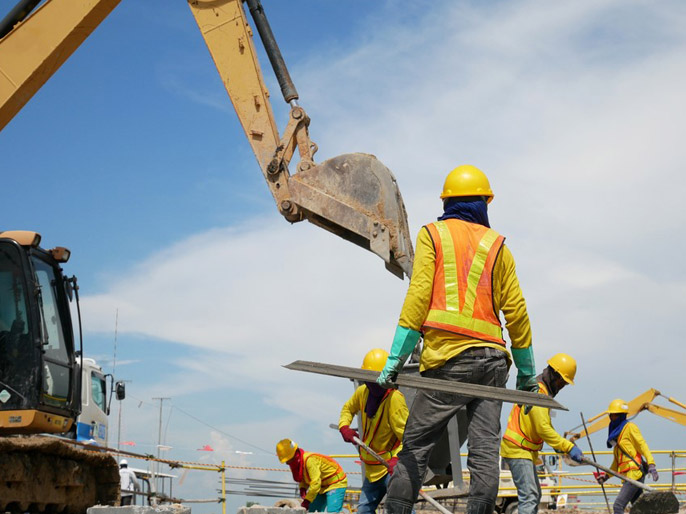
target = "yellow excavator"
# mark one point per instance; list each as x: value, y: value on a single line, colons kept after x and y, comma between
x: 643, y: 402
x: 353, y: 196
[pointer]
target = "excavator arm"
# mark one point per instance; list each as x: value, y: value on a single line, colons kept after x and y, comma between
x: 353, y: 195
x: 642, y: 402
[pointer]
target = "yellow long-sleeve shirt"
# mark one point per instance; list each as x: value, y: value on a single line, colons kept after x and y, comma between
x: 321, y: 475
x: 535, y: 426
x: 383, y: 433
x: 440, y: 346
x: 631, y: 441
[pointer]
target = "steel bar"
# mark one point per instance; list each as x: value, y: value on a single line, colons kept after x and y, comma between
x: 602, y: 485
x: 432, y: 384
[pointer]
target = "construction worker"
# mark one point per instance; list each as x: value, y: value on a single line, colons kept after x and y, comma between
x: 129, y: 483
x: 322, y: 480
x: 383, y: 414
x: 528, y: 429
x: 632, y: 457
x: 463, y: 276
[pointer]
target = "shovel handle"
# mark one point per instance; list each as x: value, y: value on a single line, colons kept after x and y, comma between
x: 615, y: 474
x: 383, y: 461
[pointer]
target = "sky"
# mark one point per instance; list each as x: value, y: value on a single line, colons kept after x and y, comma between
x: 132, y: 157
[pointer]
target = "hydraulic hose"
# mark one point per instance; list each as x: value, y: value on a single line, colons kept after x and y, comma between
x: 16, y: 15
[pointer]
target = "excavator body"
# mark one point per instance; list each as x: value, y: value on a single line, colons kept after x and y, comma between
x: 40, y: 387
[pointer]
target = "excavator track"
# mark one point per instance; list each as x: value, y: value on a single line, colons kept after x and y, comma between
x: 45, y: 474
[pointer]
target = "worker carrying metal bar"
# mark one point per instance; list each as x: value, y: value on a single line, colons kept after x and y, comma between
x: 322, y: 480
x: 462, y: 278
x: 383, y: 414
x: 632, y: 457
x: 527, y: 430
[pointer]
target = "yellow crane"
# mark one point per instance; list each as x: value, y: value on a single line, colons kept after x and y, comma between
x: 643, y: 402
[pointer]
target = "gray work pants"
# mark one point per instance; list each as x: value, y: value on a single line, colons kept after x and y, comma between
x: 629, y: 493
x: 429, y: 415
x: 525, y: 478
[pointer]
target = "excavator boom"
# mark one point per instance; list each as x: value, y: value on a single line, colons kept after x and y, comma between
x: 353, y: 196
x: 642, y: 402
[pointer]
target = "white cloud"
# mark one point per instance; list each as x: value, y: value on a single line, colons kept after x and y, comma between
x: 578, y: 126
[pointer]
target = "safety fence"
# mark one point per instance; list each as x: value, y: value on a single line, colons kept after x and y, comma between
x: 564, y: 487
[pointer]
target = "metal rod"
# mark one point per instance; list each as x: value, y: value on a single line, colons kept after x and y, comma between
x: 638, y: 484
x: 383, y: 461
x: 272, y: 48
x: 583, y: 422
x: 432, y: 384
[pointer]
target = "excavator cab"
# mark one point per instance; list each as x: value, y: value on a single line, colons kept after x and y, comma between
x: 39, y: 379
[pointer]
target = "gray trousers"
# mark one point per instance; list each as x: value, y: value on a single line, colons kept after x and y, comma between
x: 429, y: 415
x: 629, y: 493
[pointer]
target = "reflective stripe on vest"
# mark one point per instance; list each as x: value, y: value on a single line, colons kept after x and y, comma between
x: 514, y: 432
x: 625, y: 463
x: 462, y: 296
x: 370, y: 430
x: 332, y: 478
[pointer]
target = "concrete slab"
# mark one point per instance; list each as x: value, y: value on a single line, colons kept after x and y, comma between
x: 173, y: 508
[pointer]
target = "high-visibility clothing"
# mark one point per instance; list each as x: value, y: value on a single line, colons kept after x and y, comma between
x: 441, y: 345
x: 383, y: 433
x: 526, y: 433
x: 462, y: 297
x: 631, y: 441
x: 321, y: 474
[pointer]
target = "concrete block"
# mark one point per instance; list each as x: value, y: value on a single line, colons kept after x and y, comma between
x: 173, y: 508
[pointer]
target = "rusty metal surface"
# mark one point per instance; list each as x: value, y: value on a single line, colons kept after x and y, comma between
x: 357, y: 198
x: 432, y: 384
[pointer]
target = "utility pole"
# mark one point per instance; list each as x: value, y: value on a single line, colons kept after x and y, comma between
x: 159, y: 443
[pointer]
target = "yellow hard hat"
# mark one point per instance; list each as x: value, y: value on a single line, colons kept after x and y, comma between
x: 467, y: 180
x: 618, y: 406
x: 565, y: 365
x: 285, y: 449
x: 375, y: 359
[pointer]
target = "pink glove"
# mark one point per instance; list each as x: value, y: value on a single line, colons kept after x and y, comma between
x: 305, y: 504
x: 391, y: 464
x: 303, y: 492
x: 348, y: 434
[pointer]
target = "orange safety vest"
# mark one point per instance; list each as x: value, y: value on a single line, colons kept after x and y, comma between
x: 624, y: 462
x: 514, y: 432
x: 462, y: 296
x: 370, y: 430
x: 332, y: 478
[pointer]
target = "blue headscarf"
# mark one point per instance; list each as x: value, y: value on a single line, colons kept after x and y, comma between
x: 615, y: 428
x: 472, y: 209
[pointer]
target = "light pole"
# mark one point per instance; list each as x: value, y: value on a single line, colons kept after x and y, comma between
x: 159, y: 443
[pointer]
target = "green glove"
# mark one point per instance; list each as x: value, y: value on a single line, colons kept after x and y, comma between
x: 404, y: 341
x: 526, y: 369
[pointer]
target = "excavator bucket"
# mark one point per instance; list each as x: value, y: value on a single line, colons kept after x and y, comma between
x: 357, y: 198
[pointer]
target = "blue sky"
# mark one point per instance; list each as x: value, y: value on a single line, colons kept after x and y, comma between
x: 132, y: 156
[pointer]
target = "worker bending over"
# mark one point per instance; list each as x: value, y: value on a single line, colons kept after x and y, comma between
x: 528, y: 428
x: 632, y: 457
x: 462, y: 278
x: 322, y: 480
x: 383, y: 413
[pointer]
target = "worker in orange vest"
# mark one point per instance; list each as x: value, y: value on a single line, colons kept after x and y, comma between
x: 528, y: 429
x: 462, y: 278
x: 632, y: 457
x: 321, y: 479
x: 383, y: 413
